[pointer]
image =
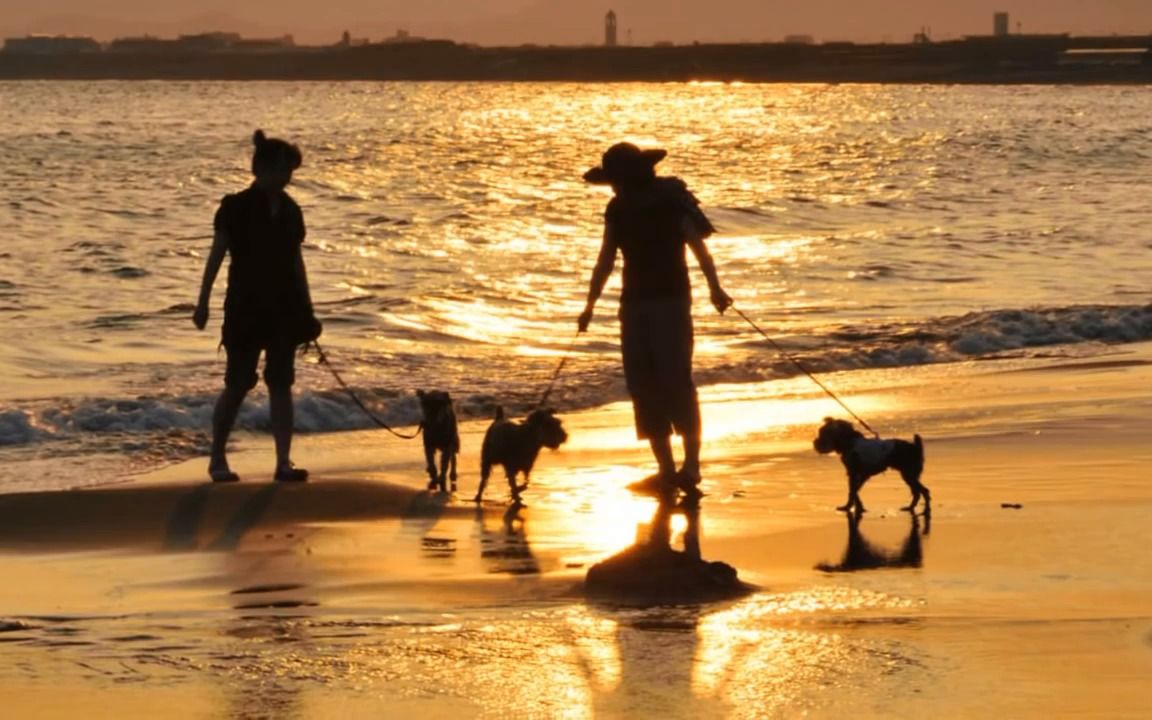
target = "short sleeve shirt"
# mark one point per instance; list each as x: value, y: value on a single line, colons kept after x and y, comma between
x: 265, y: 297
x: 649, y: 227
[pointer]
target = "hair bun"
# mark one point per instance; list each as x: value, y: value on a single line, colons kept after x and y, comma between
x: 258, y: 138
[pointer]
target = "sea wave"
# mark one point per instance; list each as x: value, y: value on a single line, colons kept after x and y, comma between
x: 986, y: 334
x: 133, y: 424
x: 982, y: 335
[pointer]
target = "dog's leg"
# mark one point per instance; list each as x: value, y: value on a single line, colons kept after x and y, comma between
x: 485, y: 472
x: 445, y: 459
x: 854, y: 502
x: 452, y: 468
x: 430, y: 464
x: 914, y: 485
x: 912, y: 479
x: 514, y: 488
x: 847, y: 507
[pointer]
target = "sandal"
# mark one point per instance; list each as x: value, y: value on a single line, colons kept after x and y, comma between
x: 291, y: 473
x: 688, y: 482
x: 223, y: 475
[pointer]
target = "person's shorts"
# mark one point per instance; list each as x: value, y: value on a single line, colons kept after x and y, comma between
x: 656, y: 342
x: 279, y: 366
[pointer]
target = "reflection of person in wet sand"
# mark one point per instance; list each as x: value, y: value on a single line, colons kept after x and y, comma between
x: 268, y: 307
x: 651, y: 571
x: 268, y: 644
x: 650, y: 221
x: 658, y: 652
x: 658, y: 532
x: 860, y: 554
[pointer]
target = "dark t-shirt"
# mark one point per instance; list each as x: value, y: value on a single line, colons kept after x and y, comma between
x: 648, y: 225
x: 267, y: 301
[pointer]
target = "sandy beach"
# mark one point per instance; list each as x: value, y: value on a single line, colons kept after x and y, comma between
x: 1024, y: 594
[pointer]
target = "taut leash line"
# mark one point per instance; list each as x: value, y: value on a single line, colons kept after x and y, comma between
x: 559, y: 367
x: 804, y: 370
x: 324, y: 361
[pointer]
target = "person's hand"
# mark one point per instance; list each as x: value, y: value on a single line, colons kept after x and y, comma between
x: 720, y: 300
x: 313, y: 329
x: 584, y: 319
x: 200, y: 316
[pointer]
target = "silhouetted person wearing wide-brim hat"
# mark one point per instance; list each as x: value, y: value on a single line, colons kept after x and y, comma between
x: 650, y: 221
x: 268, y: 307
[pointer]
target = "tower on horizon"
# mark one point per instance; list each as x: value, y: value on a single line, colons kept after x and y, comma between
x: 1000, y: 24
x: 610, y: 29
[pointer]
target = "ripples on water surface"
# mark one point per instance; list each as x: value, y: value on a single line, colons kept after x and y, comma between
x: 450, y: 234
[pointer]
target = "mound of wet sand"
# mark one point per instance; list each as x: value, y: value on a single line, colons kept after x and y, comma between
x: 654, y: 574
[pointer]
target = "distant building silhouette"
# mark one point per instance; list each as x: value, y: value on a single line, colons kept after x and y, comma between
x: 204, y: 43
x: 209, y: 41
x: 51, y: 45
x: 1000, y: 24
x: 403, y: 37
x: 610, y: 29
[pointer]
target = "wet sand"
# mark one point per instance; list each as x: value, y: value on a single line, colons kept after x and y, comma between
x: 1025, y: 594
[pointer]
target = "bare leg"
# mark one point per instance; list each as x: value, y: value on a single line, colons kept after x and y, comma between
x: 662, y: 451
x: 692, y: 456
x: 281, y: 411
x: 223, y: 418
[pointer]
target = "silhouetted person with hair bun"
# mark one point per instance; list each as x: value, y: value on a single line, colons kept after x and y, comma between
x: 268, y: 307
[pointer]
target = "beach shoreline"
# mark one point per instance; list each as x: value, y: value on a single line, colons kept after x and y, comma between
x: 1023, y: 594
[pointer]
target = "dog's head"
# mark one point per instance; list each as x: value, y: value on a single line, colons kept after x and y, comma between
x: 434, y: 404
x: 547, y: 428
x: 835, y: 436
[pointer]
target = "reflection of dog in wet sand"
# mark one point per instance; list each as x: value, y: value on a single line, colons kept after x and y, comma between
x: 440, y: 434
x: 860, y: 554
x: 515, y: 445
x: 507, y: 550
x: 864, y: 458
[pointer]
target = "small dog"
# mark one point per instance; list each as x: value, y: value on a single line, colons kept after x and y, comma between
x: 516, y: 445
x: 440, y: 433
x: 864, y: 458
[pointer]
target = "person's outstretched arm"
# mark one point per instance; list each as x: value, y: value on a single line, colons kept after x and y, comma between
x: 720, y: 299
x: 211, y: 269
x: 605, y: 263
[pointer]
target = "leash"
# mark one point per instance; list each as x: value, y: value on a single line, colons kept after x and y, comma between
x: 324, y: 361
x: 559, y: 367
x: 352, y: 394
x: 804, y: 370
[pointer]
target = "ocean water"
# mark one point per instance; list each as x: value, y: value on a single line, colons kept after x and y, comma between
x: 450, y: 238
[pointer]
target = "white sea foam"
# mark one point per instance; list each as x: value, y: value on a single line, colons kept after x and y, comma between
x: 16, y: 428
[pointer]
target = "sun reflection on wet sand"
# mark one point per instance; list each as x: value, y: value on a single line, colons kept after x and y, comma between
x: 732, y: 413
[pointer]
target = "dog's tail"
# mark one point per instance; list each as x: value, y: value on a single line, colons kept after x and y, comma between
x: 499, y: 412
x: 919, y: 447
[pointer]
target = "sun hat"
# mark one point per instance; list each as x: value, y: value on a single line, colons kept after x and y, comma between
x: 623, y: 161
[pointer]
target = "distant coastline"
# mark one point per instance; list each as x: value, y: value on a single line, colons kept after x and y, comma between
x: 1049, y: 59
